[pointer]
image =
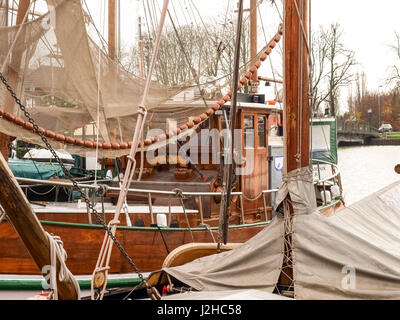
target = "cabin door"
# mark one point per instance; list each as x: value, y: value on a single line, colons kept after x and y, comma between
x: 254, y: 178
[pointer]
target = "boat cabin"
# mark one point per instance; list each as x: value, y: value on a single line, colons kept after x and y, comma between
x: 193, y: 162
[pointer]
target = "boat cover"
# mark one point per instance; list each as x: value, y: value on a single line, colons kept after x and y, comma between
x: 35, y: 170
x: 351, y: 254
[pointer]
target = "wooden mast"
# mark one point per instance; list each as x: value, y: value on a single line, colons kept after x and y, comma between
x: 29, y: 229
x: 296, y: 84
x: 296, y: 113
x: 141, y: 70
x: 228, y: 161
x: 253, y: 44
x: 13, y: 71
x: 102, y: 265
x: 111, y: 29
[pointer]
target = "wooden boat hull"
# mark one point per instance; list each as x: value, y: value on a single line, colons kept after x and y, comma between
x: 147, y: 246
x: 192, y: 251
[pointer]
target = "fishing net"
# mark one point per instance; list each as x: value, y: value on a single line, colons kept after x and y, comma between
x: 78, y: 95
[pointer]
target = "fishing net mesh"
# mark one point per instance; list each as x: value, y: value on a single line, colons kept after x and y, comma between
x: 71, y: 87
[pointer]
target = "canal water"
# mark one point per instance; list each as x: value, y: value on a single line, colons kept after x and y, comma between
x: 367, y: 169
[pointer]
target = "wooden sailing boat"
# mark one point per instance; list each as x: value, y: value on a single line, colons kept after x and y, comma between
x: 302, y: 254
x: 202, y: 274
x: 194, y: 219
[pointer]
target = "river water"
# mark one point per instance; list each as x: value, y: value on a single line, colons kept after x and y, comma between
x: 365, y: 170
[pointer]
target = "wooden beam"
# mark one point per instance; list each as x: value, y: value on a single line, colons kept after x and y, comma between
x: 253, y: 41
x: 28, y: 227
x: 296, y: 113
x: 228, y: 163
x: 141, y: 67
x: 111, y: 29
x: 296, y: 110
x: 270, y: 79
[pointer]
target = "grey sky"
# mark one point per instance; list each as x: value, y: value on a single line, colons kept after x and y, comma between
x: 368, y: 26
x: 368, y: 29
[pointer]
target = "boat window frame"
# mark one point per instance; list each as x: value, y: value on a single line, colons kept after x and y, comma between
x: 265, y: 117
x: 252, y: 115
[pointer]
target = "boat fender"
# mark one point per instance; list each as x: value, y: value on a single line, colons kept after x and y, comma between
x: 162, y: 220
x: 326, y: 196
x: 335, y: 191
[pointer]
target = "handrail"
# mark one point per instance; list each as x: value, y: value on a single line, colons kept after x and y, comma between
x: 146, y: 191
x: 335, y: 177
x: 337, y: 171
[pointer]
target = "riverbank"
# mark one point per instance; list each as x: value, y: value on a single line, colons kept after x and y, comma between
x: 367, y: 169
x: 384, y: 141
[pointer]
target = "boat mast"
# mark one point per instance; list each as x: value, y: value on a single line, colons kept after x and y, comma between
x: 111, y: 29
x: 253, y: 44
x: 228, y: 159
x: 102, y: 266
x: 22, y: 14
x: 296, y: 85
x: 296, y: 113
x: 141, y: 72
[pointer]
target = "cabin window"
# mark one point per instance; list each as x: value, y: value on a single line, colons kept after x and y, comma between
x: 248, y: 132
x: 262, y: 138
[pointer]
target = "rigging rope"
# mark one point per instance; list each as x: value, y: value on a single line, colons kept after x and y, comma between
x: 70, y: 177
x: 3, y: 214
x: 57, y: 251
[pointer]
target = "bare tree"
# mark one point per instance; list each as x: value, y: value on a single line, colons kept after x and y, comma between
x: 190, y: 54
x: 394, y: 77
x: 331, y: 70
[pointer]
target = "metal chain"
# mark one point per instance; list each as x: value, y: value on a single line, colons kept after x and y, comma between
x: 69, y: 176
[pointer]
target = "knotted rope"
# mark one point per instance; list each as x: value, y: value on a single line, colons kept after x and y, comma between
x: 3, y: 214
x: 57, y: 251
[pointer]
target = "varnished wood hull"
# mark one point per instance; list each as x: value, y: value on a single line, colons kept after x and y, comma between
x: 145, y: 246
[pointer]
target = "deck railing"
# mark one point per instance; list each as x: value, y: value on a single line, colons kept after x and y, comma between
x: 323, y: 182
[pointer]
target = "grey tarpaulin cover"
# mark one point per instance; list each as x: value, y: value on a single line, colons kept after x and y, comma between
x: 352, y: 254
x: 255, y: 265
x: 299, y: 185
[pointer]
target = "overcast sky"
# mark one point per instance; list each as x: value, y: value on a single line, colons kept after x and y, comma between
x: 368, y: 26
x: 368, y: 29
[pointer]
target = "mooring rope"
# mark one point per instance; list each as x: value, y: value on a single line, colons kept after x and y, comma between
x: 57, y: 251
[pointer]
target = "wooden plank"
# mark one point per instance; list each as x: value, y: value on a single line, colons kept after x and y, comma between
x: 144, y: 245
x: 28, y: 227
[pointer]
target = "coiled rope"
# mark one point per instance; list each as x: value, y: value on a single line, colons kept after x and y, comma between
x: 57, y: 251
